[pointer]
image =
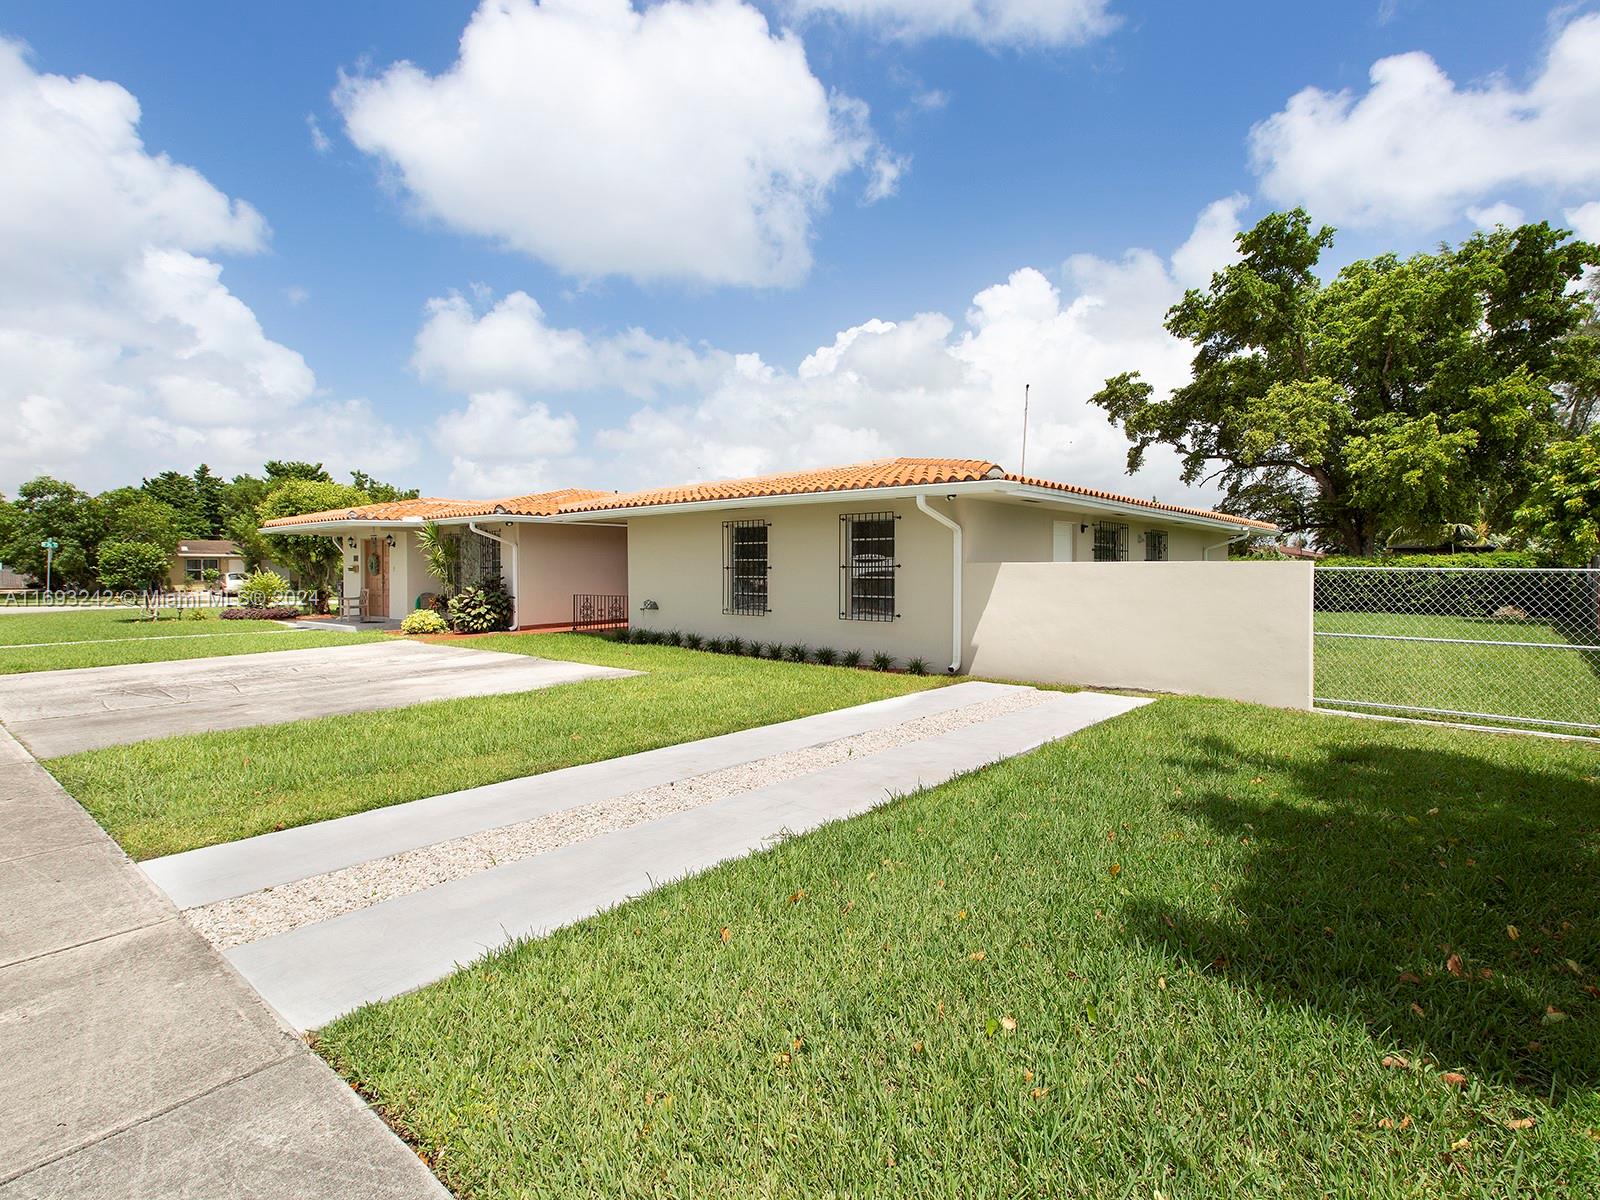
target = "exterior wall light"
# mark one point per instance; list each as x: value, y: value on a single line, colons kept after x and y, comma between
x: 390, y: 540
x: 649, y: 606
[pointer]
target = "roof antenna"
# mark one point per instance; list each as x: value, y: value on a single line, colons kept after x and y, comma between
x: 1022, y: 467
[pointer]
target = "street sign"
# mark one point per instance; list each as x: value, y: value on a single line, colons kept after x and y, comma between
x: 50, y: 544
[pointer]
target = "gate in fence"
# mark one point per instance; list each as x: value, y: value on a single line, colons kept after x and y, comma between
x: 1504, y: 646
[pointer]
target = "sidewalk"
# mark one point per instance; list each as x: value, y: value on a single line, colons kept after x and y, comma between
x: 138, y: 1064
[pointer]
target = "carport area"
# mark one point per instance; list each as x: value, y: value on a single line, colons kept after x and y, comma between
x: 63, y: 712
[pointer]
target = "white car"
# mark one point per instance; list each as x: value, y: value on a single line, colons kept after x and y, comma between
x: 232, y: 582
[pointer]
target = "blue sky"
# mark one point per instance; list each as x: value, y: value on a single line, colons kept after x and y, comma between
x: 1016, y: 151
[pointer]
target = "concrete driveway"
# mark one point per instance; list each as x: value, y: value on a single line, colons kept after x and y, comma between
x: 63, y: 712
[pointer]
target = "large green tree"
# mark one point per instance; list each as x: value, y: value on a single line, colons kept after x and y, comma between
x: 1561, y: 514
x: 1407, y: 393
x: 133, y: 515
x: 49, y: 508
x: 313, y: 559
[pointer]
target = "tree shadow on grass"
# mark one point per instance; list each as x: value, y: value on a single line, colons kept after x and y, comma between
x: 1448, y: 902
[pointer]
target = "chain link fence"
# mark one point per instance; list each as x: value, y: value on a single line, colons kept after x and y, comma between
x: 1506, y: 646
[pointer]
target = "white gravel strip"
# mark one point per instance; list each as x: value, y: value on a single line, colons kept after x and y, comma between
x: 249, y: 918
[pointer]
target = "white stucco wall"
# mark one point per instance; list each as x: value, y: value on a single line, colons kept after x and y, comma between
x: 1240, y: 630
x: 998, y: 531
x: 677, y: 561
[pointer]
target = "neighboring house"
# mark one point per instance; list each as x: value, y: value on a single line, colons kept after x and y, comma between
x: 10, y: 581
x: 196, y: 556
x: 875, y: 556
x: 543, y: 565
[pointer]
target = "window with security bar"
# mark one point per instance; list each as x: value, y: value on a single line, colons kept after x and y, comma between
x: 1110, y: 542
x: 746, y: 569
x: 867, y: 567
x: 1155, y: 545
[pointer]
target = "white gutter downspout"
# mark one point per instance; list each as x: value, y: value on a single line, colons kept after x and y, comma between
x: 1205, y: 555
x: 955, y: 579
x: 516, y: 587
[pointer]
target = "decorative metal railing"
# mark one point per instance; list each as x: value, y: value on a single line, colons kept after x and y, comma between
x: 590, y: 611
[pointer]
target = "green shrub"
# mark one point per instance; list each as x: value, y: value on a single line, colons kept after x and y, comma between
x: 798, y: 652
x: 672, y: 638
x: 262, y: 588
x: 482, y: 608
x: 826, y: 656
x: 850, y: 658
x: 735, y: 645
x: 714, y: 645
x: 693, y: 641
x: 1491, y: 558
x: 882, y: 662
x: 424, y: 620
x: 917, y: 666
x: 756, y: 649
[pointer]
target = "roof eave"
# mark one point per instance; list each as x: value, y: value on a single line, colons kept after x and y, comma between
x: 968, y: 487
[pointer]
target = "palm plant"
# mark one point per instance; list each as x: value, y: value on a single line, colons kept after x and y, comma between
x: 826, y: 656
x: 850, y: 658
x: 799, y: 652
x: 734, y: 645
x: 917, y: 666
x: 693, y: 641
x: 882, y: 661
x: 442, y: 553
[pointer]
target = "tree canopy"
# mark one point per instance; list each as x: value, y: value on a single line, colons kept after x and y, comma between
x: 1407, y: 393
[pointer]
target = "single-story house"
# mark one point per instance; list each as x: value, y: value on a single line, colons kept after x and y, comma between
x: 543, y: 565
x: 876, y: 557
x: 196, y: 556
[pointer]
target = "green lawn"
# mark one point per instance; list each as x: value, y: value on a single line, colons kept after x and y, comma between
x: 55, y: 641
x: 155, y: 799
x: 1558, y: 684
x: 1209, y: 923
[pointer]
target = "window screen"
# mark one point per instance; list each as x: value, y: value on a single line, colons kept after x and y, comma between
x: 744, y: 567
x: 1155, y: 545
x: 867, y: 567
x: 1110, y: 542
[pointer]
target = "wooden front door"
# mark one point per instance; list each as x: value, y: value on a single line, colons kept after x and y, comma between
x: 374, y: 579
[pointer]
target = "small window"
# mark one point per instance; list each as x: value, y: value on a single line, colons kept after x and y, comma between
x: 194, y: 569
x: 867, y: 567
x: 745, y: 568
x: 1110, y: 542
x: 1155, y: 545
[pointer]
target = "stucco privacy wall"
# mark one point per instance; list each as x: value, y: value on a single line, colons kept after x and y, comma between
x: 676, y: 560
x: 556, y: 561
x: 1240, y: 630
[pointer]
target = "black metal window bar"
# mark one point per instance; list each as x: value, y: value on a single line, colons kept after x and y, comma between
x: 1110, y: 542
x: 746, y: 569
x: 867, y: 567
x: 599, y: 612
x: 1155, y: 545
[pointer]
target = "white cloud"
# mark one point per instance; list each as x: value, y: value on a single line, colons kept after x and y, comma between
x: 684, y: 141
x: 320, y: 141
x: 121, y: 350
x: 991, y: 22
x: 1416, y: 148
x: 1585, y: 220
x: 1488, y: 216
x: 511, y: 345
x: 923, y: 385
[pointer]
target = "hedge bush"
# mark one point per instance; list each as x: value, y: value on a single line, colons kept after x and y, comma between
x: 1457, y: 585
x: 424, y: 620
x: 263, y: 612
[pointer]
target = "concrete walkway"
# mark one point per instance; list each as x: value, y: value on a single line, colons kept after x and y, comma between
x: 63, y: 712
x: 136, y: 1062
x: 321, y: 970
